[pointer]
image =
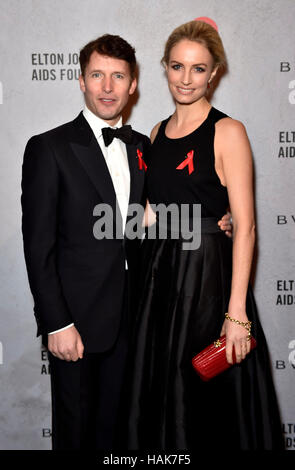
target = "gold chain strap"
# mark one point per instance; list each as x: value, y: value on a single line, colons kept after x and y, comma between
x: 245, y: 324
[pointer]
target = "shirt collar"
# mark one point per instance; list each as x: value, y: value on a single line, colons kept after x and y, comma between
x: 97, y: 123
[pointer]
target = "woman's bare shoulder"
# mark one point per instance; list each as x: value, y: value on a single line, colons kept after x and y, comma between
x: 154, y: 131
x: 230, y: 127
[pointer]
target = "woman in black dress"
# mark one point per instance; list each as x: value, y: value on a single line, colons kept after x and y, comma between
x: 199, y: 156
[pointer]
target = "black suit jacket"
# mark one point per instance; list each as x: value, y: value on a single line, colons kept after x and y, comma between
x: 73, y: 276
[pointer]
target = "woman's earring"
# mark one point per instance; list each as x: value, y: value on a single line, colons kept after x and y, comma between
x: 208, y: 85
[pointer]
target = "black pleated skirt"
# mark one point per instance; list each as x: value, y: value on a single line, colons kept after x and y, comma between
x: 183, y: 296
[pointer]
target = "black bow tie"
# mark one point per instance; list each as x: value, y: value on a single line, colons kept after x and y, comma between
x: 124, y: 133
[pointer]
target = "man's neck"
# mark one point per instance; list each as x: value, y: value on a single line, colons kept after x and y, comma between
x: 98, y: 120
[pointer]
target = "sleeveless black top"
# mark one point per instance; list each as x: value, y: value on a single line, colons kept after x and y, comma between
x: 195, y: 181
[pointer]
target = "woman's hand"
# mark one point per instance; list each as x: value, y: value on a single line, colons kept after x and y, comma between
x: 225, y: 223
x: 149, y: 217
x: 236, y: 337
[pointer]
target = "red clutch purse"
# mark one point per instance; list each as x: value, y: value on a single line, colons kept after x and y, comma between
x: 212, y: 360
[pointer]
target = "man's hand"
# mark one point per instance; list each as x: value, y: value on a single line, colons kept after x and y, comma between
x: 66, y: 345
x: 226, y: 224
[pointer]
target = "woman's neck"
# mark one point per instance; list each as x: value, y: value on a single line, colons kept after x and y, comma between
x: 185, y: 115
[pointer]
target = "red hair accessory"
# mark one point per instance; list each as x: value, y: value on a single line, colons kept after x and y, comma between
x: 207, y: 20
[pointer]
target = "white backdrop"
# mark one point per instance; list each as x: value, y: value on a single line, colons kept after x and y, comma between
x: 39, y: 90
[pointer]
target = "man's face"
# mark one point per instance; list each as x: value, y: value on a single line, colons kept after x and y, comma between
x: 107, y: 85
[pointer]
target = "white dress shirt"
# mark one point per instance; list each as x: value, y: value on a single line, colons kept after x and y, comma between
x: 117, y: 162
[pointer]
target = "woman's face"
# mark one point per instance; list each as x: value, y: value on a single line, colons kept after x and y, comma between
x: 189, y: 69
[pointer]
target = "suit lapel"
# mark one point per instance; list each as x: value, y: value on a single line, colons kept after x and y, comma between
x: 89, y: 154
x: 136, y: 175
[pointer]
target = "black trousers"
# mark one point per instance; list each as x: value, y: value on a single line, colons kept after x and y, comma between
x: 86, y: 396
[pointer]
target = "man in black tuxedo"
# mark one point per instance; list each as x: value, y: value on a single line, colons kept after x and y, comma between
x: 79, y: 283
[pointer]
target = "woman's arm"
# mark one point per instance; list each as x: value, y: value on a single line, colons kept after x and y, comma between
x: 234, y: 153
x: 149, y: 217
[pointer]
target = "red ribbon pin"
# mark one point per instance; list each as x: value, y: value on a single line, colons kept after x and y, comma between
x: 187, y: 161
x: 141, y: 162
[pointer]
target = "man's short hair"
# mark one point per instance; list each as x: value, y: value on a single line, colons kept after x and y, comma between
x: 111, y: 46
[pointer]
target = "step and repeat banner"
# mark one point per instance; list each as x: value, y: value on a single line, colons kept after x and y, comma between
x: 39, y: 90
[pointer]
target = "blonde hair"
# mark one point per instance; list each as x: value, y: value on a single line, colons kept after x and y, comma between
x: 202, y: 33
